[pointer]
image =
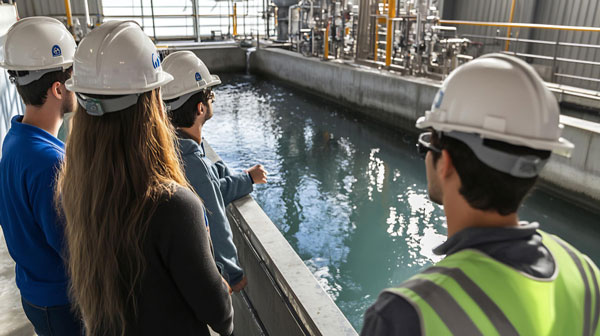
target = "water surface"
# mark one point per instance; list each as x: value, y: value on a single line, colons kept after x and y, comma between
x: 349, y: 196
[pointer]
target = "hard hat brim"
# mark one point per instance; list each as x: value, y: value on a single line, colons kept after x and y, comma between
x: 561, y: 147
x: 214, y: 80
x: 163, y: 78
x: 64, y: 65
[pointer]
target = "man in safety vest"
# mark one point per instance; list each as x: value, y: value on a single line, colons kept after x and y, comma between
x: 491, y: 129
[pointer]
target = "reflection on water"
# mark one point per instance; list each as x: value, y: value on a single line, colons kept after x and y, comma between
x: 351, y: 198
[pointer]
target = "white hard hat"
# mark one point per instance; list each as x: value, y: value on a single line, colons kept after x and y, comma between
x: 498, y: 97
x: 38, y: 45
x: 117, y: 58
x: 191, y: 76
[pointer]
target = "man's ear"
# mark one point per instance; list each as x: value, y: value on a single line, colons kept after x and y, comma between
x: 56, y: 91
x: 445, y: 165
x: 200, y: 109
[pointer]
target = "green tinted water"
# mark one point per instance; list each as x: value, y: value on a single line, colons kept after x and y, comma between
x: 349, y: 196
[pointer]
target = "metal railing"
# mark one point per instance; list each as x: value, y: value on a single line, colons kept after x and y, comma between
x: 196, y: 20
x: 560, y: 72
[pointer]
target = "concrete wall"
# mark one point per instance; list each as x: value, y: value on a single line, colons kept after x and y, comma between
x: 219, y: 57
x: 282, y: 296
x: 399, y: 101
x: 390, y: 98
x: 579, y: 175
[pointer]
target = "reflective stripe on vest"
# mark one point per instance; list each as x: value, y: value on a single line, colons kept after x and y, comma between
x: 469, y: 293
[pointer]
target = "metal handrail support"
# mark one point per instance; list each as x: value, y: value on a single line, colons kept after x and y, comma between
x: 520, y: 25
x: 512, y: 15
x: 555, y: 56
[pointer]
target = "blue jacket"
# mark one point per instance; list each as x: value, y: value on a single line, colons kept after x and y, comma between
x: 217, y: 187
x: 33, y: 231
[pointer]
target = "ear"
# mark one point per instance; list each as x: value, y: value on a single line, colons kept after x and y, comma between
x: 57, y: 90
x: 200, y: 108
x: 445, y: 166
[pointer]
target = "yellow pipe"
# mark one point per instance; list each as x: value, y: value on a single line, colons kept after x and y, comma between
x: 512, y: 15
x: 390, y: 32
x: 326, y: 41
x: 69, y: 16
x: 234, y: 19
x: 520, y: 25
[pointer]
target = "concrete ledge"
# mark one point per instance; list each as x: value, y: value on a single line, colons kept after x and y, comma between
x: 579, y: 174
x: 285, y: 297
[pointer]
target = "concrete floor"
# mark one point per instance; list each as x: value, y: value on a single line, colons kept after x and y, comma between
x: 12, y: 319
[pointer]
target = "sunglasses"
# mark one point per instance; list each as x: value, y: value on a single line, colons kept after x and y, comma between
x: 211, y: 95
x: 424, y: 144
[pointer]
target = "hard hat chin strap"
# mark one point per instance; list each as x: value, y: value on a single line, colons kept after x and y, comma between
x: 522, y: 166
x: 31, y: 76
x: 98, y: 107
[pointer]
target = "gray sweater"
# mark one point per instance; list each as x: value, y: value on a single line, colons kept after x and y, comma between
x: 217, y: 187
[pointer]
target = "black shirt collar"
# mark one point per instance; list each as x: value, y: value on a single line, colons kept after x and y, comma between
x: 471, y: 237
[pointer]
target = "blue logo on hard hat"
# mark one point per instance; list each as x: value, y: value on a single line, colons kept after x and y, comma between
x: 198, y: 77
x: 155, y: 62
x: 56, y: 51
x: 439, y: 99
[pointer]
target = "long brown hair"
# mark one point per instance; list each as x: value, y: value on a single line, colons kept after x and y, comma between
x: 116, y: 168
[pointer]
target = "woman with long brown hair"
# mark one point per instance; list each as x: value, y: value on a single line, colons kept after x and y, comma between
x: 140, y: 259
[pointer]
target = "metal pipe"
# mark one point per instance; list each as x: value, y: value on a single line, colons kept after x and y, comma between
x: 326, y: 41
x: 376, y: 42
x: 195, y: 20
x: 234, y: 19
x: 142, y: 11
x: 153, y: 22
x: 290, y: 10
x: 390, y: 32
x: 543, y: 42
x: 68, y: 13
x: 266, y: 16
x: 512, y: 15
x: 555, y: 56
x: 521, y: 25
x: 87, y: 14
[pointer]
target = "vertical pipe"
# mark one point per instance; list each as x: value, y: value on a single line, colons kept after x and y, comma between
x: 234, y: 19
x: 99, y: 17
x: 326, y: 41
x: 376, y: 42
x: 556, y: 45
x: 390, y: 32
x: 153, y: 22
x: 142, y: 12
x: 512, y: 15
x: 86, y: 8
x: 68, y: 13
x: 195, y: 20
x: 266, y: 17
x: 376, y: 51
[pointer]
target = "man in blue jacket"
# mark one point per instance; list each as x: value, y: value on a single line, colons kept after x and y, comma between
x: 189, y: 101
x: 38, y: 55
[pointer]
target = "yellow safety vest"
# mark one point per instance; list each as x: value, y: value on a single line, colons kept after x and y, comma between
x: 469, y: 293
